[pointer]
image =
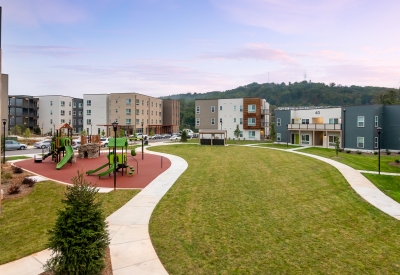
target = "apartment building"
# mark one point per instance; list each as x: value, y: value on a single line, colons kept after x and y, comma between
x: 23, y: 110
x: 96, y: 114
x: 171, y: 117
x: 53, y: 111
x: 250, y: 114
x: 77, y: 115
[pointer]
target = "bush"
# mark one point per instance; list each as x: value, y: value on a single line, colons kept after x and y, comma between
x: 79, y: 237
x: 184, y: 136
x: 388, y: 152
x: 359, y: 152
x: 348, y: 151
x: 397, y: 161
x: 15, y: 188
x: 375, y: 153
x: 29, y: 181
x: 17, y: 170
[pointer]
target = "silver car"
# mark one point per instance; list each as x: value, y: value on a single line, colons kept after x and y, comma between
x: 14, y: 145
x: 42, y: 144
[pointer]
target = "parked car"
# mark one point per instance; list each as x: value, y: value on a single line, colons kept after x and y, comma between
x: 156, y: 136
x: 175, y: 138
x: 42, y: 144
x: 76, y: 143
x: 140, y: 135
x: 166, y: 136
x: 14, y: 145
x: 104, y: 142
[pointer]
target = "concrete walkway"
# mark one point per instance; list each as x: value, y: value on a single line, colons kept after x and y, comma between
x: 131, y: 249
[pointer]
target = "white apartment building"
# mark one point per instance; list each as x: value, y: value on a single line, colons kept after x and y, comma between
x: 54, y: 110
x: 96, y: 113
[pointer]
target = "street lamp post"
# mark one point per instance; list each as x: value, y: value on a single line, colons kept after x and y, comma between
x: 42, y: 131
x: 142, y: 140
x: 115, y: 126
x: 4, y: 139
x: 379, y: 149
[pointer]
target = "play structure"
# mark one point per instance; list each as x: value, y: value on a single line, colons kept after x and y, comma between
x: 116, y: 160
x: 90, y: 147
x: 61, y: 151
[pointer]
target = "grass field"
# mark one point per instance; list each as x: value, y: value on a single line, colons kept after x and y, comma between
x: 25, y: 221
x: 390, y: 185
x: 16, y: 158
x: 279, y: 146
x: 359, y: 162
x: 244, y: 210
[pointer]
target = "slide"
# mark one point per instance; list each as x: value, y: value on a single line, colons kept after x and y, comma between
x: 89, y: 172
x: 45, y: 156
x: 69, y: 153
x: 111, y: 169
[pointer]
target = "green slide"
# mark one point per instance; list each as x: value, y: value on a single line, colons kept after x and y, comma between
x: 66, y: 158
x: 89, y: 172
x: 111, y: 169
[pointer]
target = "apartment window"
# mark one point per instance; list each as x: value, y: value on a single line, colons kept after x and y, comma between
x: 147, y: 103
x: 116, y: 110
x: 197, y: 121
x: 74, y: 113
x: 62, y: 103
x: 116, y: 100
x: 159, y: 105
x: 376, y: 121
x: 241, y: 134
x: 137, y: 101
x: 159, y: 113
x: 147, y: 112
x: 80, y: 113
x: 213, y: 121
x: 80, y: 122
x: 62, y: 112
x: 80, y: 105
x: 360, y: 121
x: 51, y: 103
x: 251, y: 121
x: 234, y: 107
x: 220, y: 108
x: 88, y: 102
x: 142, y: 102
x: 331, y: 140
x: 333, y: 121
x: 252, y: 134
x: 69, y: 112
x: 278, y: 122
x: 159, y: 121
x: 128, y: 101
x: 241, y: 108
x: 74, y: 105
x: 152, y: 104
x: 212, y: 109
x: 137, y: 111
x: 151, y: 112
x: 305, y: 121
x: 69, y: 104
x: 360, y: 142
x: 278, y: 136
x: 51, y: 112
x: 51, y: 121
x: 251, y: 108
x: 234, y: 119
x: 147, y: 121
x: 88, y: 112
x: 128, y: 121
x: 197, y: 109
x: 241, y: 120
x: 89, y: 121
x: 74, y: 121
x: 128, y: 111
x: 376, y: 140
x: 137, y: 121
x: 62, y: 121
x: 305, y: 139
x: 142, y: 112
x: 156, y: 104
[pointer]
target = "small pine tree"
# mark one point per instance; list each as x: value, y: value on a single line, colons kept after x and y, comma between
x: 273, y: 132
x: 79, y: 237
x: 237, y: 131
x: 16, y: 130
x: 184, y: 136
x: 83, y: 133
x: 103, y: 133
x: 27, y: 133
x: 337, y: 145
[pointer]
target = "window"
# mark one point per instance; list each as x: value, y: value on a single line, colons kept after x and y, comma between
x: 128, y: 111
x: 159, y: 105
x: 213, y: 121
x: 69, y: 103
x: 278, y: 122
x: 156, y: 104
x: 197, y: 109
x: 152, y: 104
x: 333, y: 121
x: 142, y: 112
x: 137, y: 101
x: 360, y: 142
x: 128, y: 101
x: 137, y: 121
x: 159, y: 113
x: 128, y: 121
x: 69, y: 112
x: 234, y: 119
x: 376, y: 121
x: 137, y: 111
x: 278, y: 136
x: 252, y: 134
x: 251, y: 108
x: 74, y: 113
x: 376, y: 140
x: 116, y: 100
x: 212, y: 109
x: 220, y: 108
x: 62, y: 121
x: 147, y: 103
x: 80, y: 105
x: 331, y: 140
x: 51, y: 112
x: 241, y: 134
x: 51, y: 103
x: 142, y: 102
x: 51, y: 121
x: 197, y: 121
x: 234, y: 107
x: 74, y: 105
x: 305, y: 121
x: 80, y: 113
x: 88, y: 102
x: 305, y: 139
x: 241, y: 108
x: 74, y: 121
x: 241, y: 120
x: 147, y: 112
x: 62, y: 112
x: 88, y: 112
x: 62, y: 103
x: 88, y: 121
x: 360, y: 121
x: 116, y: 110
x: 251, y: 121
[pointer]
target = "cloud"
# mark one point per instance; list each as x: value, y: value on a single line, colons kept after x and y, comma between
x: 54, y: 51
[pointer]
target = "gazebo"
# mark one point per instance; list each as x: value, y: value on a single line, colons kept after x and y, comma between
x: 212, y: 137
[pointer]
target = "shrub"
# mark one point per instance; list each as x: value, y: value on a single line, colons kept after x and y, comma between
x: 359, y: 152
x: 29, y: 181
x: 79, y: 237
x: 17, y: 170
x: 15, y: 188
x: 397, y: 161
x: 388, y: 152
x: 348, y: 151
x: 184, y: 136
x: 375, y: 153
x: 133, y: 152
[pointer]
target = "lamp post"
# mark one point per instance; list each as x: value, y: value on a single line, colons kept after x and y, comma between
x: 379, y: 149
x: 42, y: 131
x: 142, y: 140
x: 54, y: 131
x: 344, y: 129
x: 4, y: 139
x: 115, y: 126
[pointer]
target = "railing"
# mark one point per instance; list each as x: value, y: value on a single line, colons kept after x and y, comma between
x: 264, y: 124
x: 264, y: 111
x: 321, y: 126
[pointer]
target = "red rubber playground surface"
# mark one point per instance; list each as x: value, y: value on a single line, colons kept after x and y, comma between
x: 146, y: 170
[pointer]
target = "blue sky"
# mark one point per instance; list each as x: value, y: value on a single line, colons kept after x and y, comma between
x: 165, y: 47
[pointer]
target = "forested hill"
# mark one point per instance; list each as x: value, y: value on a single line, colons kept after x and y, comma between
x: 296, y: 94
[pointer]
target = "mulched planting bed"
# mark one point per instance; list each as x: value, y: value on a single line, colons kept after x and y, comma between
x: 6, y: 182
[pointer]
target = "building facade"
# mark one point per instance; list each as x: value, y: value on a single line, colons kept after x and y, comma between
x: 171, y: 117
x: 96, y: 114
x: 77, y: 115
x: 23, y: 110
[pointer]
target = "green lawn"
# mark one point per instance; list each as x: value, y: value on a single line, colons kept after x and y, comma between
x: 16, y: 158
x: 25, y: 221
x: 390, y: 185
x: 244, y: 210
x: 359, y: 162
x: 279, y: 146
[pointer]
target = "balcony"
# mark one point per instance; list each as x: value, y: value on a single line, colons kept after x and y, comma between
x: 264, y: 124
x: 321, y: 126
x: 265, y: 111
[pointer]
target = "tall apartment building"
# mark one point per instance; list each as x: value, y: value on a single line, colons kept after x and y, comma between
x: 77, y: 115
x: 23, y: 110
x: 96, y: 114
x: 171, y: 117
x: 53, y: 111
x: 251, y: 115
x: 130, y: 110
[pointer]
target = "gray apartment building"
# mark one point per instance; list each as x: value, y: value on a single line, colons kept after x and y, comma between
x: 23, y: 110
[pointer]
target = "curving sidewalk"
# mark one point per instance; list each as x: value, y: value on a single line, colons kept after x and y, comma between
x: 131, y: 249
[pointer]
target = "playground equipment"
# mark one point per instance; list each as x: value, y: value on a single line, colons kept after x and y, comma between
x: 117, y: 162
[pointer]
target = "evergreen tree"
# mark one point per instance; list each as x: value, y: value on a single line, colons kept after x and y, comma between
x: 184, y: 136
x: 237, y: 131
x: 272, y: 132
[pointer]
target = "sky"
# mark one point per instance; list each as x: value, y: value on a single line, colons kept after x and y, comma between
x: 165, y: 47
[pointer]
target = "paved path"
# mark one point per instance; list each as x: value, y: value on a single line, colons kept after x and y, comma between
x: 131, y: 249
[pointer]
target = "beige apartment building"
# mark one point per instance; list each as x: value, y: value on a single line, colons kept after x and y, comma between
x: 171, y: 117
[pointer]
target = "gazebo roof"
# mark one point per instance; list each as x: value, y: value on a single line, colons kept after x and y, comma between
x: 121, y: 142
x: 64, y: 126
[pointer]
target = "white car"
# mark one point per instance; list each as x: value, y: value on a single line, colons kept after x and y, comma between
x: 104, y: 142
x: 175, y: 138
x: 76, y: 143
x: 42, y: 144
